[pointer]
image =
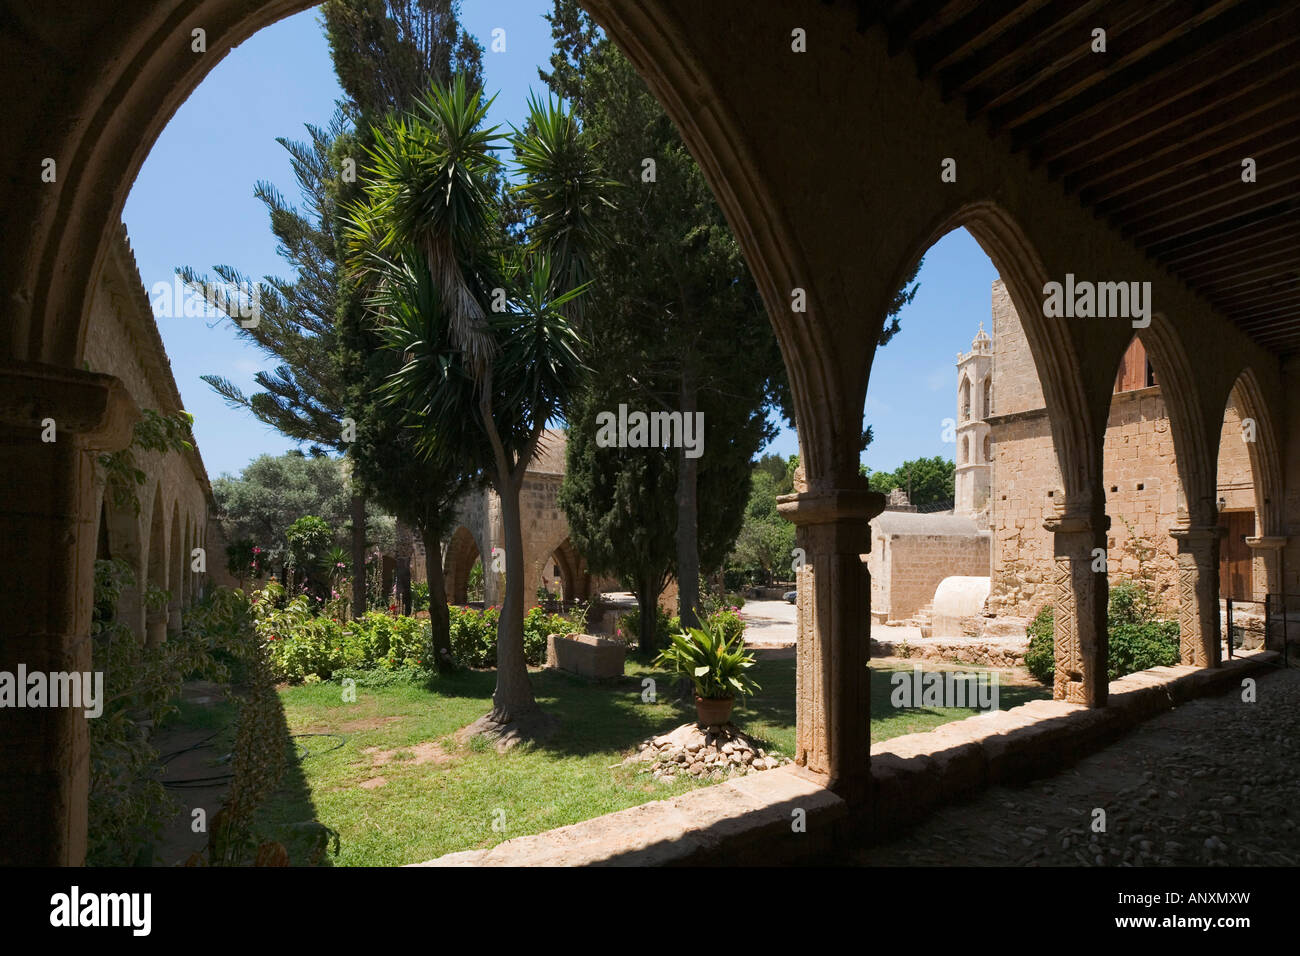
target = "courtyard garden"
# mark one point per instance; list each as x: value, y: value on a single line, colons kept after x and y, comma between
x: 379, y: 771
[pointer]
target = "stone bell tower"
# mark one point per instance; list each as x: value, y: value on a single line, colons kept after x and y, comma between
x: 974, y: 449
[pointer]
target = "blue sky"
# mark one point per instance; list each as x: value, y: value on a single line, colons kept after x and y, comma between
x: 192, y: 204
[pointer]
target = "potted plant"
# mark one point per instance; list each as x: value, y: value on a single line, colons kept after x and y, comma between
x: 716, y: 668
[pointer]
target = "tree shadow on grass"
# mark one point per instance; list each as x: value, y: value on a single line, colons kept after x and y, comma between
x: 882, y: 688
x: 603, y: 716
x: 288, y: 815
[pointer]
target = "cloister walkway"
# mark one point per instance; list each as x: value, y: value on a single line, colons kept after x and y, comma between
x: 1212, y: 782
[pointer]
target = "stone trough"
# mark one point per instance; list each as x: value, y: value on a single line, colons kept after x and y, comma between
x: 586, y: 655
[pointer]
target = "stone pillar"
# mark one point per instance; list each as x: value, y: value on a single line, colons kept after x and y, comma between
x: 1267, y: 579
x: 155, y: 627
x: 833, y: 681
x: 1080, y: 597
x: 48, y: 506
x: 1198, y: 594
x: 1267, y: 570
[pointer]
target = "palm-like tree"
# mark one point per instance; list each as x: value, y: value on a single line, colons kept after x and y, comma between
x: 482, y: 314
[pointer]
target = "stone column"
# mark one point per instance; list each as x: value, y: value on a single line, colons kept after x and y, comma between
x: 1080, y: 598
x: 48, y: 506
x: 833, y: 682
x: 1268, y: 560
x: 1267, y: 577
x: 155, y: 627
x: 1198, y: 594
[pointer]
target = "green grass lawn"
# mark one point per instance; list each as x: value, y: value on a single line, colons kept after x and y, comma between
x: 387, y: 775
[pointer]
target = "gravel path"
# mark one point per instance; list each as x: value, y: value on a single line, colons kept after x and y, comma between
x: 1214, y: 782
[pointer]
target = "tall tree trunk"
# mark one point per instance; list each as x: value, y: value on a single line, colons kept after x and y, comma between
x: 439, y: 616
x: 688, y: 532
x: 513, y: 697
x: 404, y: 539
x: 358, y: 553
x: 647, y: 601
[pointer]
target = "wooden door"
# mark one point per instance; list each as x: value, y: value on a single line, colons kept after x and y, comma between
x: 1234, y: 555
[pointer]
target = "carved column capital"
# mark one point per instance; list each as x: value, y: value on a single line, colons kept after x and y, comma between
x: 96, y: 409
x: 827, y: 507
x: 833, y: 522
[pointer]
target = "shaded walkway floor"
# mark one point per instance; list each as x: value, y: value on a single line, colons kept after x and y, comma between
x: 1213, y: 782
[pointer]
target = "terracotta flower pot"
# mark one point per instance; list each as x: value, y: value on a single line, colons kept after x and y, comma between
x: 716, y: 710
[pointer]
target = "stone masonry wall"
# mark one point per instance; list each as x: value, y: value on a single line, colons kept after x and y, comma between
x: 917, y: 563
x: 122, y: 339
x: 1139, y: 470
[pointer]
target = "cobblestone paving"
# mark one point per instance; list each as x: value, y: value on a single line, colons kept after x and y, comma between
x: 1214, y: 782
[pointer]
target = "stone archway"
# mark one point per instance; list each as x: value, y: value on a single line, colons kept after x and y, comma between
x: 576, y: 582
x: 462, y: 553
x: 1253, y: 428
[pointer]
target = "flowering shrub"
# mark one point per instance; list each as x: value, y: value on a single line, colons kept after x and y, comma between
x: 304, y: 646
x: 538, y: 625
x: 726, y: 624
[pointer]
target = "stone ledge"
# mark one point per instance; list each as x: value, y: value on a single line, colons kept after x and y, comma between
x: 740, y: 821
x: 913, y: 774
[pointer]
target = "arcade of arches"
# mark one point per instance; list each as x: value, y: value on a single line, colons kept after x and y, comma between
x: 837, y: 208
x: 550, y: 559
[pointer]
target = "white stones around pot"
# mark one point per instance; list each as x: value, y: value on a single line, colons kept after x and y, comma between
x: 714, y: 752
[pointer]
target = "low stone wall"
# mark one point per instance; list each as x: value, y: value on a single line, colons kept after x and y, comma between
x: 966, y: 650
x: 913, y: 774
x: 746, y: 821
x: 751, y: 820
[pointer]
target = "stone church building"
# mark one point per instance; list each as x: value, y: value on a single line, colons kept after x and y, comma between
x: 1007, y: 485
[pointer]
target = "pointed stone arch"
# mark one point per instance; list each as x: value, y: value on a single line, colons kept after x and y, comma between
x: 575, y: 580
x: 463, y: 550
x: 1194, y: 457
x: 1265, y: 459
x: 1074, y: 435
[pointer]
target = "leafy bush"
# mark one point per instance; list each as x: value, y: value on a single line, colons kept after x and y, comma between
x: 629, y: 626
x: 391, y: 642
x: 419, y: 596
x: 1040, y: 657
x: 304, y: 646
x: 1137, y: 639
x: 538, y: 625
x: 474, y: 636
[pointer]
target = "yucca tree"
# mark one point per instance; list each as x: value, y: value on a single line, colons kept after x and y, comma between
x: 481, y: 313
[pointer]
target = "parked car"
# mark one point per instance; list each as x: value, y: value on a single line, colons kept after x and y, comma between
x: 791, y: 596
